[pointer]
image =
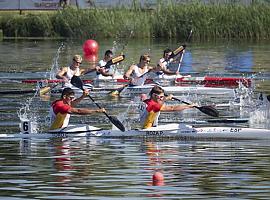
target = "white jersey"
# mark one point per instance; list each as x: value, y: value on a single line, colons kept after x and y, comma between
x: 137, y: 79
x: 69, y: 76
x: 165, y: 64
x: 102, y: 63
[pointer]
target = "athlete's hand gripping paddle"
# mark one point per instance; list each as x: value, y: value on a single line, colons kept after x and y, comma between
x: 77, y: 82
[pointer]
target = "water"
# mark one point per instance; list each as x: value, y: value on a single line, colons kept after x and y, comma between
x: 122, y: 169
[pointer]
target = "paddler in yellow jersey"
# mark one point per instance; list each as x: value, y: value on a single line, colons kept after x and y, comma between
x: 61, y: 109
x: 152, y: 107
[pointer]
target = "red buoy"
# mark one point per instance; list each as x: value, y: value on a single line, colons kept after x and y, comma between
x: 90, y: 50
x: 158, y: 179
x: 91, y: 58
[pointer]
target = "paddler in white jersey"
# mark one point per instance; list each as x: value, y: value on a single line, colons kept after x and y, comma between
x: 66, y: 73
x: 137, y: 74
x: 61, y: 109
x: 163, y: 64
x: 102, y: 71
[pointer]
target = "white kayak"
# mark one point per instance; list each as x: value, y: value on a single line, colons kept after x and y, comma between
x: 145, y: 89
x: 176, y: 131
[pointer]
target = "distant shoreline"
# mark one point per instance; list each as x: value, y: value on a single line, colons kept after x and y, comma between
x: 209, y: 22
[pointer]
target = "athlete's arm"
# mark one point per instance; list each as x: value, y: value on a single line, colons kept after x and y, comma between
x: 85, y: 111
x: 61, y: 74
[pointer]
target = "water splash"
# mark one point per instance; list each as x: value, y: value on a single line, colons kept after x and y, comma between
x: 261, y: 115
x: 124, y: 118
x: 122, y: 40
x: 130, y: 118
x: 55, y: 64
x: 30, y: 109
x: 244, y: 96
x: 30, y: 112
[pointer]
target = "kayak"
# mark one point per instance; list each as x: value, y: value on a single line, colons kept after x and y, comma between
x: 77, y: 91
x: 172, y: 130
x: 208, y: 81
x: 135, y: 90
x: 145, y: 89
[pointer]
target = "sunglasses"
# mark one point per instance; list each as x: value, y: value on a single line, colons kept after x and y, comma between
x: 71, y: 97
x: 148, y: 61
x: 77, y: 62
x: 161, y: 97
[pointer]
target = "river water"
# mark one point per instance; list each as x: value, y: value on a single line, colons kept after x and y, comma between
x: 94, y: 168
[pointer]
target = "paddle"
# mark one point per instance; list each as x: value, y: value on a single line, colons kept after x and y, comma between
x: 208, y: 110
x: 46, y: 89
x: 77, y: 82
x: 180, y: 62
x: 114, y: 61
x: 268, y: 97
x: 119, y: 90
x: 181, y: 48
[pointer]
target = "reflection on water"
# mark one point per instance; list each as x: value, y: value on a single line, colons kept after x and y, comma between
x: 239, y: 61
x: 123, y: 169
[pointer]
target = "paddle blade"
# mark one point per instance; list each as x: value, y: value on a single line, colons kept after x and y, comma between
x: 209, y: 110
x: 47, y: 89
x: 77, y: 82
x: 178, y: 50
x: 44, y: 90
x: 115, y: 61
x: 117, y: 123
x: 268, y: 98
x: 118, y: 59
x: 118, y: 91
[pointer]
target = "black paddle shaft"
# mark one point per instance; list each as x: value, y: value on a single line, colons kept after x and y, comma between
x: 77, y: 82
x: 208, y: 110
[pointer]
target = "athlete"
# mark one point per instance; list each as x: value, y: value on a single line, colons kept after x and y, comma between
x: 137, y: 73
x: 102, y: 71
x: 163, y: 64
x: 152, y: 107
x: 66, y: 73
x: 61, y: 109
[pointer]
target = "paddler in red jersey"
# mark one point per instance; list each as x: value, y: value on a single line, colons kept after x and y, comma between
x: 155, y: 104
x: 61, y: 109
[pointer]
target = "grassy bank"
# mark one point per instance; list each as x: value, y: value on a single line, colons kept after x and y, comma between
x: 170, y: 21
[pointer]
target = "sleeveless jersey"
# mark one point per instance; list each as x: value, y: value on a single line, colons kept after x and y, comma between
x: 149, y: 113
x: 59, y: 115
x: 102, y: 63
x: 70, y: 74
x: 136, y: 74
x: 165, y: 63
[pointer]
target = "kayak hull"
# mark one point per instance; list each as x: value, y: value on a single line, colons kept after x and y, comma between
x: 145, y: 89
x: 176, y: 131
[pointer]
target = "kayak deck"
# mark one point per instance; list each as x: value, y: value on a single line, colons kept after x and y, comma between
x: 176, y: 131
